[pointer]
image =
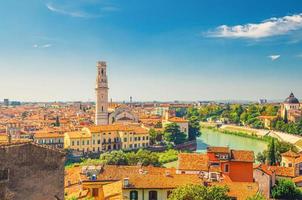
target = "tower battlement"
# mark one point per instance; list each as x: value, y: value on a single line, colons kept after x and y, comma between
x: 101, y: 64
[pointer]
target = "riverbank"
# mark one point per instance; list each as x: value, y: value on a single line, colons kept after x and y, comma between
x: 261, y: 134
x: 238, y: 132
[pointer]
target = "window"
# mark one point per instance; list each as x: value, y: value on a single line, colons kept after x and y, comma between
x: 153, y: 195
x: 78, y: 143
x: 147, y: 137
x: 143, y: 137
x: 139, y: 138
x: 93, y: 141
x: 125, y: 139
x: 83, y: 142
x: 87, y: 142
x: 72, y: 143
x: 99, y: 141
x: 226, y: 168
x: 133, y: 195
x: 95, y: 192
x: 290, y: 165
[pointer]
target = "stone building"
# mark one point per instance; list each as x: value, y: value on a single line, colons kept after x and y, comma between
x: 30, y: 171
x: 121, y: 114
x: 290, y: 109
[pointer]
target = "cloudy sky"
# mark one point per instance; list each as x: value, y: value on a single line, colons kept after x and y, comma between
x: 155, y: 50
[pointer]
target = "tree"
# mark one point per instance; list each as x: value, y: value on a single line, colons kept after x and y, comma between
x: 114, y: 158
x: 272, y: 152
x: 155, y: 136
x: 194, y: 128
x: 199, y: 192
x: 286, y: 189
x: 261, y: 157
x: 57, y: 123
x: 258, y: 196
x: 173, y: 134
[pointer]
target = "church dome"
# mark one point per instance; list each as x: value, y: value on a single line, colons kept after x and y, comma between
x: 291, y: 99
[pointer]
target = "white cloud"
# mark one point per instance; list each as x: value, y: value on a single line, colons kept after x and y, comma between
x: 52, y: 8
x: 42, y: 46
x: 274, y: 57
x: 299, y: 55
x: 267, y: 28
x: 81, y: 9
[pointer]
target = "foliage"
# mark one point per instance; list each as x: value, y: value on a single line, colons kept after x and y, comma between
x: 293, y: 128
x: 272, y: 156
x: 155, y: 136
x: 261, y: 157
x: 286, y: 189
x: 168, y: 156
x: 114, y: 158
x: 173, y: 134
x: 258, y: 196
x: 180, y: 112
x: 199, y: 192
x: 57, y: 123
x: 194, y: 128
x: 272, y: 151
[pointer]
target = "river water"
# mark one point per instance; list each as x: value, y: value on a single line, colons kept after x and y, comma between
x: 214, y: 138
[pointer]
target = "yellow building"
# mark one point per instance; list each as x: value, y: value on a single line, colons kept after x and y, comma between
x: 107, y: 137
x: 111, y: 182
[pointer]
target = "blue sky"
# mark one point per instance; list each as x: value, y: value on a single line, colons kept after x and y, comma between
x: 155, y: 50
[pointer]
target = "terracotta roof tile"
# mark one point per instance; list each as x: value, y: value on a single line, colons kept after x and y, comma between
x: 193, y: 162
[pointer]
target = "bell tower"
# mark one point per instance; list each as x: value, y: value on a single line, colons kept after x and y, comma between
x: 101, y: 89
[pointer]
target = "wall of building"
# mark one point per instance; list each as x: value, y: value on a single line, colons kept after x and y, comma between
x: 35, y: 172
x: 236, y: 169
x: 264, y: 181
x: 143, y: 194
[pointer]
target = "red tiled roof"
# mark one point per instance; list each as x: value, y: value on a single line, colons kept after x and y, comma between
x: 242, y: 155
x: 193, y: 162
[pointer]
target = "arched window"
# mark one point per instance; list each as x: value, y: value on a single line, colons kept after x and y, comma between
x: 102, y: 108
x: 133, y: 195
x: 153, y: 195
x: 102, y: 71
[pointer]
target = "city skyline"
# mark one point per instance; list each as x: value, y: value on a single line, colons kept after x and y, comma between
x: 185, y: 51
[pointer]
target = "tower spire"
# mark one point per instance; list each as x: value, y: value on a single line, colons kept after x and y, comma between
x: 101, y: 89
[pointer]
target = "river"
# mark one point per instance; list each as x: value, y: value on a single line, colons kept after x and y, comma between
x: 214, y: 138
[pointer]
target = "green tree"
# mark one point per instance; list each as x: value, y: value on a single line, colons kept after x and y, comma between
x: 155, y: 136
x: 262, y: 157
x: 194, y: 128
x: 272, y: 153
x: 258, y: 196
x: 199, y: 192
x: 114, y: 158
x: 57, y: 123
x: 286, y: 189
x: 173, y: 134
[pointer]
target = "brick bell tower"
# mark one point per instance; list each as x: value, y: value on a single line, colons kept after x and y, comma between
x: 101, y: 89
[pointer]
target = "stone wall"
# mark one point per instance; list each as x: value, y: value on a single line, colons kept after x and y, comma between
x: 35, y: 172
